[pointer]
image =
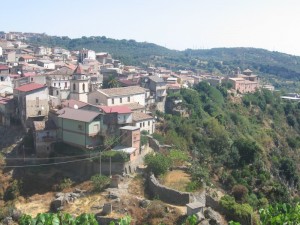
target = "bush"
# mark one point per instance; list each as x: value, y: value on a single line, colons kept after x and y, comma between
x: 99, y: 182
x: 158, y: 164
x: 144, y: 140
x: 156, y: 209
x: 65, y: 183
x: 13, y: 190
x: 178, y: 157
x: 159, y: 138
x: 239, y: 192
x: 235, y: 210
x: 115, y: 156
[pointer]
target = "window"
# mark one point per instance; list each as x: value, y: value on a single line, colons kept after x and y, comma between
x: 143, y: 124
x: 57, y: 92
x: 31, y: 79
x: 128, y: 99
x: 54, y: 84
x: 140, y: 124
x: 83, y: 87
x: 80, y: 127
x: 96, y: 127
x: 112, y: 101
x: 2, y: 78
x: 37, y: 101
x: 66, y: 84
x: 59, y: 84
x: 97, y: 100
x: 120, y: 100
x: 148, y: 123
x: 74, y: 87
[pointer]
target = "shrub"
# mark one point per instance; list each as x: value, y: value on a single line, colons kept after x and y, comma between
x: 100, y: 182
x: 158, y: 164
x: 13, y: 190
x: 156, y: 209
x: 65, y: 183
x: 239, y: 192
x: 115, y: 156
x: 158, y: 137
x: 178, y: 157
x: 144, y: 140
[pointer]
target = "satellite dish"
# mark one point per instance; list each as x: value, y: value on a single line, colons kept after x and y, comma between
x: 75, y: 106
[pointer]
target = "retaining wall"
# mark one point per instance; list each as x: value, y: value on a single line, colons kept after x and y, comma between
x: 172, y: 196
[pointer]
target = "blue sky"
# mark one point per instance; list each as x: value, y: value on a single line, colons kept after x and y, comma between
x: 176, y: 24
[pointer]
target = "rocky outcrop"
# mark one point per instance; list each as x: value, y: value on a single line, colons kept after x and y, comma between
x: 62, y: 199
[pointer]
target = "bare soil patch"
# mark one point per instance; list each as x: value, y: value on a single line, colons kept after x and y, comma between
x: 176, y: 179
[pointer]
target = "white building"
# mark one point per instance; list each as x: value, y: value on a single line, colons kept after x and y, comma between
x: 87, y: 54
x: 47, y: 64
x: 119, y: 96
x: 143, y: 121
x: 1, y: 51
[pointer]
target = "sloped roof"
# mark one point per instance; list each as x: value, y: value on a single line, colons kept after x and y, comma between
x: 134, y: 106
x: 122, y: 91
x: 156, y: 79
x: 120, y: 109
x: 3, y: 67
x: 79, y: 70
x: 78, y: 114
x: 247, y: 71
x: 30, y: 87
x: 139, y: 116
x: 72, y: 102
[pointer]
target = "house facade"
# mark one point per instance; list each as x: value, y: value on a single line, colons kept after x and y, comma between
x: 144, y: 121
x: 119, y: 96
x: 32, y: 103
x: 80, y: 128
x: 44, y: 136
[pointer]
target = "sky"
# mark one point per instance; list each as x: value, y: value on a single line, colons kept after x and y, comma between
x: 175, y: 24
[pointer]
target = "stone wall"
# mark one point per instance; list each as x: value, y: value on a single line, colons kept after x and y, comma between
x: 154, y: 144
x: 172, y: 196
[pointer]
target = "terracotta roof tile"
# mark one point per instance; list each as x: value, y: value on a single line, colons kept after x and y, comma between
x: 139, y: 116
x: 30, y: 87
x: 3, y: 67
x: 71, y: 103
x: 115, y: 109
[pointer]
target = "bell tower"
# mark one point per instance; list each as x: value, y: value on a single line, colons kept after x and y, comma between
x: 79, y: 85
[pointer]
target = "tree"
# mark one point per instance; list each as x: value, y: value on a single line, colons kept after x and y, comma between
x: 240, y: 192
x: 99, y: 182
x: 158, y: 163
x: 111, y: 82
x: 248, y: 150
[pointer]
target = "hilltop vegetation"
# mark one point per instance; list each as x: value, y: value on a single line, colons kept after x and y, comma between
x: 252, y: 142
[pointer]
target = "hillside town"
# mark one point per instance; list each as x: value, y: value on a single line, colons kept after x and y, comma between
x: 85, y: 114
x: 83, y: 97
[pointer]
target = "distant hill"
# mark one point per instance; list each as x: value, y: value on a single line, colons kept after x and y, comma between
x: 217, y: 60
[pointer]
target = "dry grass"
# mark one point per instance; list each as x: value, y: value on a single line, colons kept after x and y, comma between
x: 176, y: 179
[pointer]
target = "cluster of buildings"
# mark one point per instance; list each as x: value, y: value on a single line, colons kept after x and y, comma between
x: 59, y: 95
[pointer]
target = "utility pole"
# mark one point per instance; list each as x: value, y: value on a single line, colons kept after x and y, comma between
x: 100, y: 164
x: 109, y: 166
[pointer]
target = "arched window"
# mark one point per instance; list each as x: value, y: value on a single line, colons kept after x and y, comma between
x: 74, y: 87
x: 83, y: 87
